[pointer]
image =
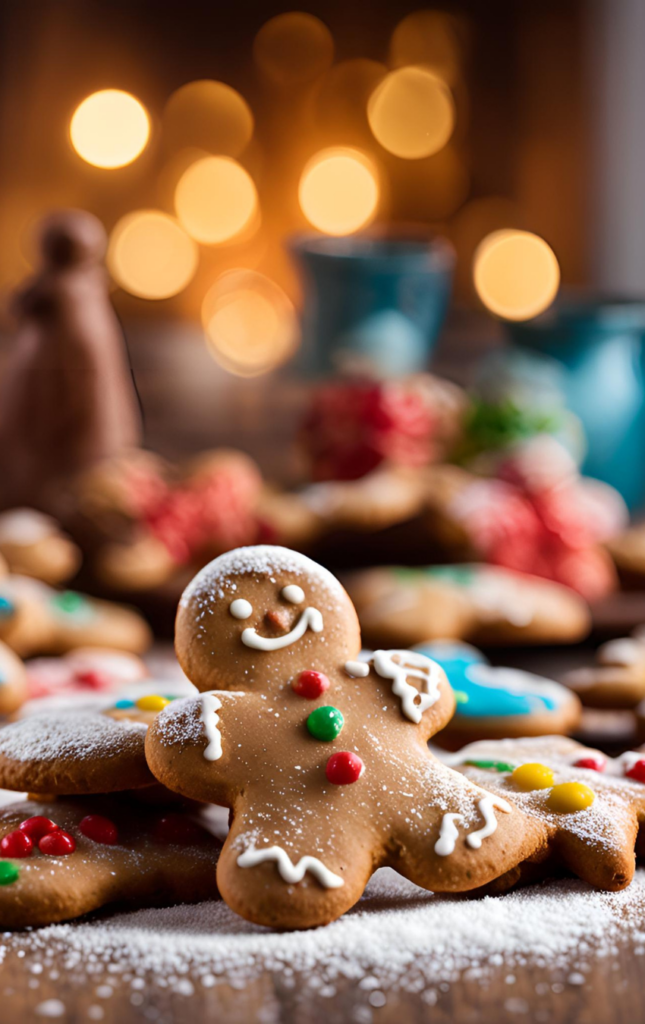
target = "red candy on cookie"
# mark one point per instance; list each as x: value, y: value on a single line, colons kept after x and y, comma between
x: 99, y: 829
x: 637, y: 770
x: 595, y: 764
x: 310, y: 685
x: 16, y: 844
x: 37, y: 827
x: 344, y: 768
x: 57, y: 844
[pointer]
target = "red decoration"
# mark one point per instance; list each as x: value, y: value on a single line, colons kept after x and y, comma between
x: 595, y: 764
x: 637, y: 770
x: 92, y: 679
x: 57, y: 844
x: 176, y: 828
x: 344, y: 768
x: 354, y: 425
x: 16, y: 844
x: 99, y: 829
x: 37, y: 827
x: 310, y: 685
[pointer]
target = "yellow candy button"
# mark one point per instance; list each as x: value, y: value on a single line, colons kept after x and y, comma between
x: 533, y: 776
x: 570, y: 796
x: 152, y: 703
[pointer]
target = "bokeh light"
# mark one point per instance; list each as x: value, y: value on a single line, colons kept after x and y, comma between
x: 150, y: 255
x: 250, y: 323
x: 294, y: 48
x: 516, y: 274
x: 474, y: 221
x: 411, y: 113
x: 428, y: 38
x: 339, y: 191
x: 208, y: 115
x: 109, y: 128
x: 215, y: 199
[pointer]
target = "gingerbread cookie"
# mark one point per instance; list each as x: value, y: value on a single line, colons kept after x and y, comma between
x: 69, y: 753
x: 496, y: 702
x: 617, y: 680
x: 33, y: 544
x: 321, y: 758
x: 13, y: 681
x: 35, y: 619
x: 61, y: 859
x: 590, y: 805
x: 481, y: 603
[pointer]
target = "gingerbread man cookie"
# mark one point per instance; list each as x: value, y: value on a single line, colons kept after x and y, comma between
x: 617, y: 680
x: 495, y: 702
x: 33, y: 544
x: 322, y: 758
x: 69, y: 753
x: 36, y: 619
x: 481, y: 603
x: 61, y: 859
x: 590, y: 805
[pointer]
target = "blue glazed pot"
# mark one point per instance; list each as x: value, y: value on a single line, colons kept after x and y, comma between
x: 372, y: 303
x: 600, y: 344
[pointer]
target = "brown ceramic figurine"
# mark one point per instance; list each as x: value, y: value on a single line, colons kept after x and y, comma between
x: 66, y: 397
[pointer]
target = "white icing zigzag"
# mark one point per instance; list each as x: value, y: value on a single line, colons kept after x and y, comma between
x: 416, y: 665
x: 289, y: 871
x: 448, y: 833
x: 210, y: 706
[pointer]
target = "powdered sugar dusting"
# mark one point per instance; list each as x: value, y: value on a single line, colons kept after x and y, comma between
x: 397, y: 938
x: 83, y: 735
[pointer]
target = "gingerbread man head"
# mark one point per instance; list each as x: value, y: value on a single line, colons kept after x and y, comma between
x: 322, y: 759
x: 259, y: 616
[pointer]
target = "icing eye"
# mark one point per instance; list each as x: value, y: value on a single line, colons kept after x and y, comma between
x: 241, y: 609
x: 293, y: 593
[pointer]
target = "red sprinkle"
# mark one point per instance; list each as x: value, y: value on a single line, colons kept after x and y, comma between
x: 637, y: 771
x: 175, y: 828
x: 37, y: 827
x: 310, y: 685
x: 344, y: 768
x: 92, y: 679
x: 596, y: 764
x: 99, y: 829
x: 16, y: 844
x: 57, y: 844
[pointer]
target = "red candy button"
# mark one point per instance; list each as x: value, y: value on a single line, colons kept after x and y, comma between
x: 175, y: 828
x: 57, y: 844
x: 344, y: 768
x: 16, y: 844
x: 92, y: 679
x: 37, y: 827
x: 310, y: 685
x: 596, y: 764
x: 99, y: 829
x: 637, y: 771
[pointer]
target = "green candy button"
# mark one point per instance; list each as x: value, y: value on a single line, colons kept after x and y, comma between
x: 325, y: 723
x: 8, y: 872
x: 496, y: 766
x: 69, y: 602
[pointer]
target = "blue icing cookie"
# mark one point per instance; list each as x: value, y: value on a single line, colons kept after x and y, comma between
x: 484, y: 691
x: 7, y: 607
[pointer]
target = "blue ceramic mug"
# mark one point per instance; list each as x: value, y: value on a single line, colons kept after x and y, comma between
x: 600, y: 344
x: 372, y: 303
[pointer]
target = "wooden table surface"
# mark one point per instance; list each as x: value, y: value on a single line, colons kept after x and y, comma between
x: 36, y: 988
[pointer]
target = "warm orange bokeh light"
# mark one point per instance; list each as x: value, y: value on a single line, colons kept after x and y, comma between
x: 293, y: 48
x: 250, y: 323
x: 215, y: 199
x: 210, y: 116
x: 411, y: 113
x: 150, y: 255
x: 339, y: 107
x: 109, y: 128
x: 516, y: 274
x: 339, y: 191
x: 427, y: 38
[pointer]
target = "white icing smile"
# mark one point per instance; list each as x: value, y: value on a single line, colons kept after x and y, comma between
x: 311, y: 619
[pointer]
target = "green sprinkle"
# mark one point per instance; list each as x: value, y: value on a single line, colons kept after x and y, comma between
x: 69, y: 602
x: 8, y: 872
x: 461, y: 697
x: 325, y: 723
x: 496, y: 766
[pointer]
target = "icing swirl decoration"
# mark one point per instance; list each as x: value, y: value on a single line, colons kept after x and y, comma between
x: 449, y: 833
x: 399, y: 666
x: 290, y: 872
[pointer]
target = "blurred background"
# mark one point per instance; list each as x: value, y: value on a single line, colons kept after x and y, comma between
x: 527, y: 116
